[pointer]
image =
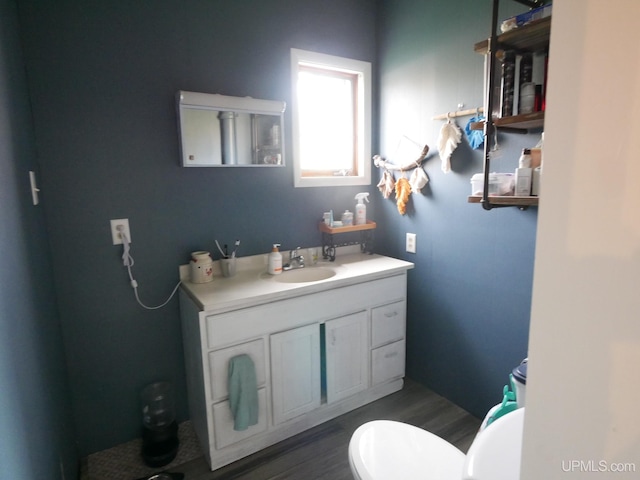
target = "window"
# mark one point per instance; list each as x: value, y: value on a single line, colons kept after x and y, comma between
x: 331, y: 111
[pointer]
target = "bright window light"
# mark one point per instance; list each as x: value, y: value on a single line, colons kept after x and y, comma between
x: 331, y: 120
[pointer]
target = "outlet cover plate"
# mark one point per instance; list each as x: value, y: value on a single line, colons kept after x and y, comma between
x: 411, y: 243
x: 115, y: 235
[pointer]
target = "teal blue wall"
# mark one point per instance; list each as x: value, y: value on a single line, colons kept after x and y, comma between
x: 36, y: 422
x: 470, y: 292
x: 102, y: 77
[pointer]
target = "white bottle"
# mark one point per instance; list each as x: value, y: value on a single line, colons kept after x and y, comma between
x: 361, y: 208
x: 537, y: 172
x: 274, y: 266
x: 535, y: 181
x: 523, y: 182
x: 525, y: 158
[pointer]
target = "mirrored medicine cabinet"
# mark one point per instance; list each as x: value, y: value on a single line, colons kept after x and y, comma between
x: 224, y: 131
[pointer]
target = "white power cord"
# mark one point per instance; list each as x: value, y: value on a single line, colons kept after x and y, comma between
x: 127, y: 261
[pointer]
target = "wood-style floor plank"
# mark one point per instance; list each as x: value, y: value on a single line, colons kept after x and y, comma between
x: 321, y: 452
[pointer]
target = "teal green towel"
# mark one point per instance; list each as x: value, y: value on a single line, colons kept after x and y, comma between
x: 243, y: 392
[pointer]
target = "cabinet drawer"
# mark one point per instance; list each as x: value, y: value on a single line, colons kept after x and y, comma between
x: 387, y: 362
x: 388, y: 323
x: 223, y: 422
x: 219, y: 366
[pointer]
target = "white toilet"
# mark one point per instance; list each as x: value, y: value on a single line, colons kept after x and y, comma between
x: 383, y: 449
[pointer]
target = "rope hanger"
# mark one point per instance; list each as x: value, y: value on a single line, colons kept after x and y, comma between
x: 380, y: 162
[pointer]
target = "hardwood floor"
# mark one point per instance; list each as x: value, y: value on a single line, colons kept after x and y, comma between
x: 321, y: 452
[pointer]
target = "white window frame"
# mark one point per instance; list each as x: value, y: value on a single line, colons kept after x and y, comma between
x: 363, y: 145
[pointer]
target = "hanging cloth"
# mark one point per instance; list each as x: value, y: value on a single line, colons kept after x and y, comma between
x: 448, y: 141
x: 475, y: 137
x: 243, y: 392
x: 386, y: 184
x: 403, y: 190
x: 418, y: 179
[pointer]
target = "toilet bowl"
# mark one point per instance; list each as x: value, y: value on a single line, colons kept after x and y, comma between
x: 384, y: 449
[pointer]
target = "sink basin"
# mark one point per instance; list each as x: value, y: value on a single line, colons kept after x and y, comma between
x: 304, y: 275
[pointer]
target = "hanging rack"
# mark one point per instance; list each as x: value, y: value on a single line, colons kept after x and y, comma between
x: 459, y: 113
x: 380, y: 162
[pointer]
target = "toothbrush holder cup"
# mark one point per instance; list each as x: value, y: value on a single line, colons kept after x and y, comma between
x: 228, y: 266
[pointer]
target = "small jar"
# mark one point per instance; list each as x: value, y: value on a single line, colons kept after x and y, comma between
x: 201, y: 267
x: 347, y: 218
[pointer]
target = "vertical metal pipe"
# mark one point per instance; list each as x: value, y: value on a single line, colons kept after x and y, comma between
x: 488, y: 108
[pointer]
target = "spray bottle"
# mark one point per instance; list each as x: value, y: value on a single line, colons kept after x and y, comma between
x: 361, y: 208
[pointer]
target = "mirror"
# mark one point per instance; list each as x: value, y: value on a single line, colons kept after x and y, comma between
x: 222, y: 131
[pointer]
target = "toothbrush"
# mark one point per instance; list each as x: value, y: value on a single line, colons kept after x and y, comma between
x: 237, y: 244
x: 224, y: 252
x: 220, y: 249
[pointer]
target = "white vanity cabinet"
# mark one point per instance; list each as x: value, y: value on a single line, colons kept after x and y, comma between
x: 318, y: 352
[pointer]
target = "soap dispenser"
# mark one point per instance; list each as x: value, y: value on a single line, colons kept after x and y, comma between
x: 274, y: 266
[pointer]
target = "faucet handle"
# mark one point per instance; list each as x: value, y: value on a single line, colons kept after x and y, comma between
x: 294, y: 255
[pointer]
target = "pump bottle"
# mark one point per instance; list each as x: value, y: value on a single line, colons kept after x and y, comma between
x: 274, y: 266
x: 361, y: 208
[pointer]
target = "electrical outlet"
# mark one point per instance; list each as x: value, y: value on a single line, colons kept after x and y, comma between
x: 411, y: 243
x: 115, y: 234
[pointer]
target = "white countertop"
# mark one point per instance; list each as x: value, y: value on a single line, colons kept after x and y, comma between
x: 251, y: 285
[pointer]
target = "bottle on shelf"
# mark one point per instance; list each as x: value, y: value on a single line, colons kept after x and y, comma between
x: 523, y: 174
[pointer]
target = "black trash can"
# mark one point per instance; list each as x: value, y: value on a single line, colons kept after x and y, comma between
x: 159, y: 427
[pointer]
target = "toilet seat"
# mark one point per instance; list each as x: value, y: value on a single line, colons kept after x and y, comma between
x: 384, y: 449
x: 496, y: 452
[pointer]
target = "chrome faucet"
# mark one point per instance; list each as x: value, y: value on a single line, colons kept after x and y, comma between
x: 296, y: 260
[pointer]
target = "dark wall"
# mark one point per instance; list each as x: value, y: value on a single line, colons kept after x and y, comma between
x: 102, y: 77
x: 470, y: 293
x: 36, y: 422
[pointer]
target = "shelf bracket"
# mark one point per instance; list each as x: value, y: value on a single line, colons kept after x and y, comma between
x: 329, y: 244
x: 531, y: 3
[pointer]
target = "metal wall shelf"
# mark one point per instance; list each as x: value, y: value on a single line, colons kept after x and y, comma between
x: 526, y: 121
x: 532, y: 37
x: 529, y: 38
x: 506, y: 201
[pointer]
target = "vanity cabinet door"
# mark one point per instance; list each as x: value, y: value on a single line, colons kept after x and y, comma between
x: 295, y: 372
x: 347, y: 361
